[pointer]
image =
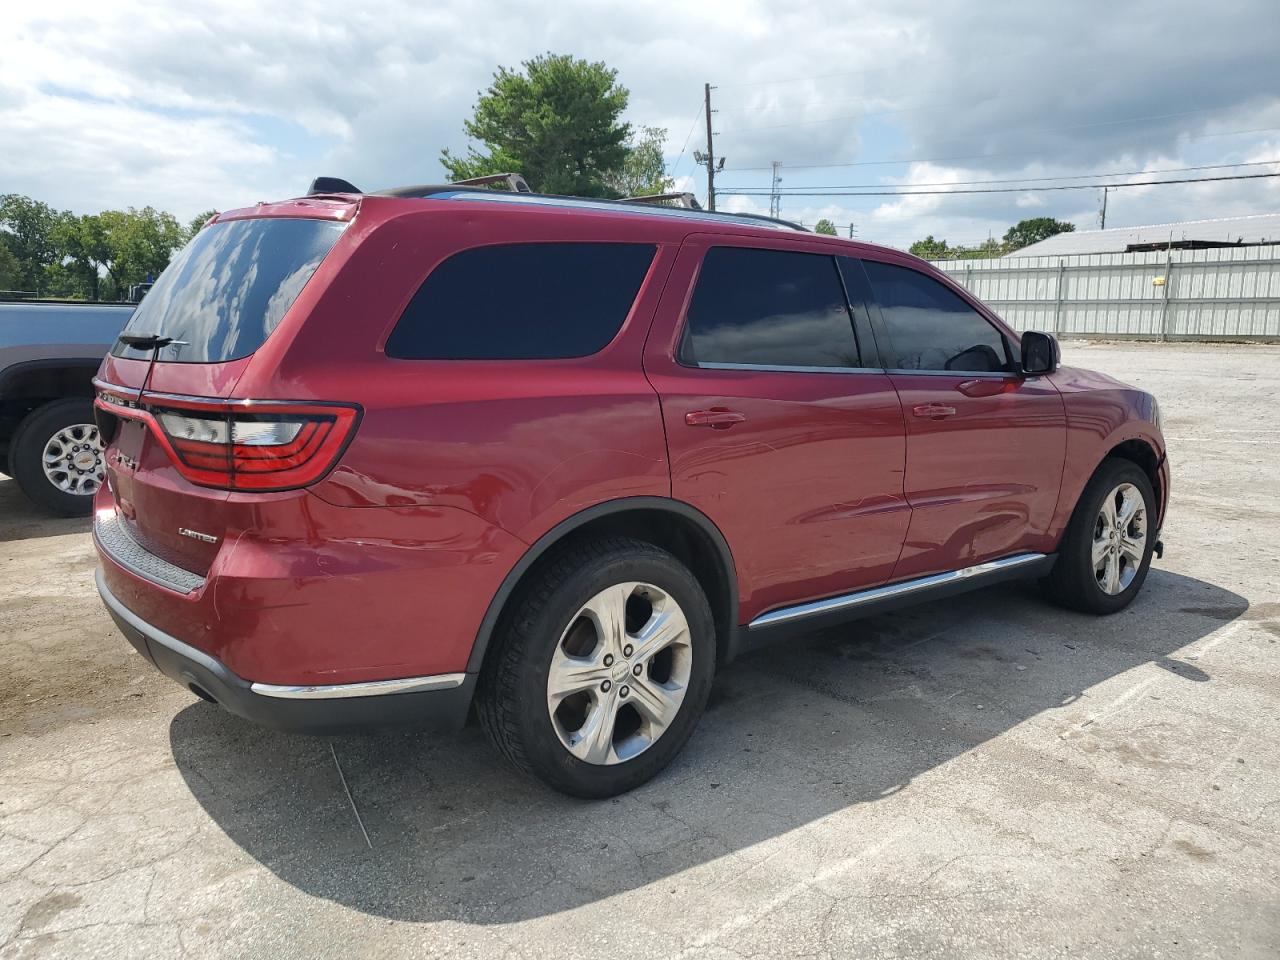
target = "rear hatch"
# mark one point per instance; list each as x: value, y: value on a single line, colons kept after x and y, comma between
x: 179, y: 439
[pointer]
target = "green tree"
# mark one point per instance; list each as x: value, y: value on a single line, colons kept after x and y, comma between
x: 643, y: 169
x: 198, y: 221
x: 27, y: 227
x: 931, y: 249
x: 9, y: 268
x: 1026, y: 232
x: 112, y: 250
x: 825, y: 226
x: 556, y: 121
x: 991, y: 247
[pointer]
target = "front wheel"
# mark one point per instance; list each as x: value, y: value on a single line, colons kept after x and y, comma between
x: 57, y: 457
x: 603, y: 668
x: 1106, y: 552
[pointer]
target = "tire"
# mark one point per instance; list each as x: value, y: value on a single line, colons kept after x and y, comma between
x: 1076, y: 580
x: 552, y: 641
x: 59, y: 426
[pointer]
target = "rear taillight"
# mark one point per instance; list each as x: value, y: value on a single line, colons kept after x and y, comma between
x: 245, y: 444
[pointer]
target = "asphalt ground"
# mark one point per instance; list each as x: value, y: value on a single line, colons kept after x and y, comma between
x: 987, y: 776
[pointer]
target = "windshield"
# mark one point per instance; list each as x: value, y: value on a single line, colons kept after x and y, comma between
x: 229, y: 287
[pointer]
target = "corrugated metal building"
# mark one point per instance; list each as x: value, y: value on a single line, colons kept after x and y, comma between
x: 1228, y: 293
x: 1188, y: 234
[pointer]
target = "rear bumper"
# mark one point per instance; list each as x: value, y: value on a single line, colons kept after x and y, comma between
x: 439, y: 702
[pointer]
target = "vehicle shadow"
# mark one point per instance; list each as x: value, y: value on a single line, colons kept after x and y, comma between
x: 793, y: 734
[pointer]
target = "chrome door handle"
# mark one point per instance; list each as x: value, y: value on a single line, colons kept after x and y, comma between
x: 718, y: 418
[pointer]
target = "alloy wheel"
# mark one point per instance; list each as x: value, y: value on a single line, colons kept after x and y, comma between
x: 1119, y: 539
x: 619, y: 673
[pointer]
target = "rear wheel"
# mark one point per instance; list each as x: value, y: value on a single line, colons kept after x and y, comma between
x: 603, y: 668
x: 56, y: 456
x: 1106, y: 552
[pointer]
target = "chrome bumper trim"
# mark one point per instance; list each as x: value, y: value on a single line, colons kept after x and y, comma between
x: 374, y: 688
x: 849, y: 600
x: 113, y: 536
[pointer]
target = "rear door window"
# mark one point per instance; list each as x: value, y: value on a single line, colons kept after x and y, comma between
x: 773, y: 308
x: 228, y: 288
x: 930, y: 327
x: 528, y: 301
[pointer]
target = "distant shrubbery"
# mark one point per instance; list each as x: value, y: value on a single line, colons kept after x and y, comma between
x: 55, y: 253
x: 1021, y: 234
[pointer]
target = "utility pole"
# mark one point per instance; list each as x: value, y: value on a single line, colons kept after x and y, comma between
x: 775, y: 198
x: 709, y: 158
x: 1103, y: 218
x: 851, y: 230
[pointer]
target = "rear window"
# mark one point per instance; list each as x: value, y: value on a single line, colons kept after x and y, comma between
x: 229, y: 287
x: 531, y: 301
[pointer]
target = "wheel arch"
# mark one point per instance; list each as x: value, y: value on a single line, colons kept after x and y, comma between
x: 671, y: 524
x: 30, y: 384
x: 1139, y: 451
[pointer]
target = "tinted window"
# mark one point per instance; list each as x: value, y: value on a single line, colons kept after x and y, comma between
x: 769, y: 308
x: 929, y: 327
x: 532, y: 301
x: 229, y: 287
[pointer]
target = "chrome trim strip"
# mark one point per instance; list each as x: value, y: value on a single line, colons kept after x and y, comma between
x: 374, y: 688
x: 154, y: 634
x: 773, y: 368
x: 848, y: 600
x: 116, y: 542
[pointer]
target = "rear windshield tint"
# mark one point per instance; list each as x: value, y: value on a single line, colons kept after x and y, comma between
x: 528, y: 301
x: 229, y: 287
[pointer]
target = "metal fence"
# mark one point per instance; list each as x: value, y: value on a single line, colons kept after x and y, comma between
x: 1215, y: 294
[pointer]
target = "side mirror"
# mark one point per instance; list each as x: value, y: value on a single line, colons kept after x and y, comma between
x: 1040, y: 352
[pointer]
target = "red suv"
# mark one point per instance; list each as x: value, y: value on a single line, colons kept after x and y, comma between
x: 380, y: 458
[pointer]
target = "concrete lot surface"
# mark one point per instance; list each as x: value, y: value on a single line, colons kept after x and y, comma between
x: 987, y: 776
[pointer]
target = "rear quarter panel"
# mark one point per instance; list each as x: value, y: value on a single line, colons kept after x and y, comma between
x: 520, y: 444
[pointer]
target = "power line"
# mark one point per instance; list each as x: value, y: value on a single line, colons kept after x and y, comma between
x: 1074, y: 126
x: 688, y: 136
x: 974, y: 156
x: 757, y: 192
x: 1072, y: 176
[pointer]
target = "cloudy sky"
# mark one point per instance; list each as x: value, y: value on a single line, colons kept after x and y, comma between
x: 223, y: 103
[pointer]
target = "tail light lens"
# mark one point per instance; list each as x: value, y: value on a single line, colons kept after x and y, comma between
x: 243, y: 444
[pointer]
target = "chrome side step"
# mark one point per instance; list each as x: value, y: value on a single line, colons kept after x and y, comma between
x: 992, y: 570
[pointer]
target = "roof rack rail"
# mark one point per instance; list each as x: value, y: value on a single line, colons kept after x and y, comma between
x: 683, y: 199
x: 514, y: 181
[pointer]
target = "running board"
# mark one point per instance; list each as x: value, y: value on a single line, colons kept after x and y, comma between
x: 879, y: 599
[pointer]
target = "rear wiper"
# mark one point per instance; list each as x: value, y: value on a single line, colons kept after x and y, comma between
x: 148, y: 341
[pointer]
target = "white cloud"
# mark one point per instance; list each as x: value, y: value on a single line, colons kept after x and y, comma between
x: 224, y: 102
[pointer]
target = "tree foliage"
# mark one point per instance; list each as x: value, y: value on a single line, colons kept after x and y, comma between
x: 1021, y: 234
x: 1026, y: 232
x: 825, y: 226
x: 92, y: 256
x: 9, y: 268
x: 557, y: 121
x: 930, y: 249
x: 198, y: 221
x: 643, y: 170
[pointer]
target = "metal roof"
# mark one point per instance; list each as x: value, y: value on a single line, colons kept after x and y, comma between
x: 1260, y: 228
